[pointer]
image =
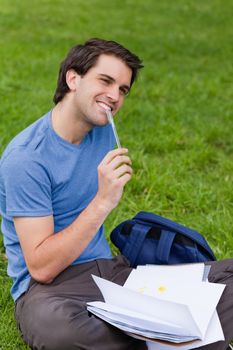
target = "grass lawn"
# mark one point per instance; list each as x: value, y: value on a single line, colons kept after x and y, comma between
x: 177, y: 121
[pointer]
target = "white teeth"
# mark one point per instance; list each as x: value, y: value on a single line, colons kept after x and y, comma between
x: 102, y: 104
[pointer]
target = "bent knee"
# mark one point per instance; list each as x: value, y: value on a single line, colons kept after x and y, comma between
x: 51, y: 326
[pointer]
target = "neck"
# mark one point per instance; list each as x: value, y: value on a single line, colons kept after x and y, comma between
x: 67, y: 124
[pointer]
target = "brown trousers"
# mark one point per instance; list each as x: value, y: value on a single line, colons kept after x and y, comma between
x: 54, y: 316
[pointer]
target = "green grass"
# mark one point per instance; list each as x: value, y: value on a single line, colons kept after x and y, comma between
x: 177, y: 121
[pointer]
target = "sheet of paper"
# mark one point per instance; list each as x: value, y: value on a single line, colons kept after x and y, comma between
x: 214, y: 333
x: 166, y: 309
x: 135, y: 316
x: 206, y: 273
x: 143, y: 333
x: 201, y: 297
x: 173, y: 312
x: 184, y: 272
x: 131, y: 319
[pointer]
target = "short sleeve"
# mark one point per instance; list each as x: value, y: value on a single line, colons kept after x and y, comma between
x: 27, y: 185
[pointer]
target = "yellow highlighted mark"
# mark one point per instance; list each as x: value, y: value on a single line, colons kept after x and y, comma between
x: 162, y: 289
x: 141, y: 290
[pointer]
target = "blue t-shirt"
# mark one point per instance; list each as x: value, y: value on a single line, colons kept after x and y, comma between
x: 41, y: 174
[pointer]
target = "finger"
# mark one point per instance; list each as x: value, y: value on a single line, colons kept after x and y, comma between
x: 118, y: 160
x: 112, y: 154
x: 123, y: 169
x: 124, y: 179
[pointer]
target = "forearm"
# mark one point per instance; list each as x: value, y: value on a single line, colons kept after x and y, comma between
x: 59, y: 250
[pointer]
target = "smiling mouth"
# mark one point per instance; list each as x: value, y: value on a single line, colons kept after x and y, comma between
x: 104, y: 105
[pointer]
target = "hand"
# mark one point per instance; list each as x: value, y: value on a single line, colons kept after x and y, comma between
x: 113, y: 173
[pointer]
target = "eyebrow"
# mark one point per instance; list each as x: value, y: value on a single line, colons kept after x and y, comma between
x: 124, y: 86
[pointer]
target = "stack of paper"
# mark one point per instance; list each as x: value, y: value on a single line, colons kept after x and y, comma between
x: 168, y: 303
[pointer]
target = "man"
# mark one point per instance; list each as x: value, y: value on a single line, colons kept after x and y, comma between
x: 59, y: 180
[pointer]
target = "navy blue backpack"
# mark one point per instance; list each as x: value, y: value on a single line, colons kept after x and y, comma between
x: 152, y: 239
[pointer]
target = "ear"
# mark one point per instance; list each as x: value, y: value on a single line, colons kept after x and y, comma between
x: 72, y: 79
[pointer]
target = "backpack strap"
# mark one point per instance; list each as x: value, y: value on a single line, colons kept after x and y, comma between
x: 164, y: 245
x: 134, y: 243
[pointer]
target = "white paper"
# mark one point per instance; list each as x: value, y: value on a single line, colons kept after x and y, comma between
x: 175, y: 313
x: 185, y: 272
x: 202, y: 304
x: 134, y: 326
x: 131, y: 320
x: 214, y: 333
x: 135, y: 316
x: 169, y: 303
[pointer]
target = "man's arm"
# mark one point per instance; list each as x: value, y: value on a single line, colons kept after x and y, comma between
x: 47, y: 254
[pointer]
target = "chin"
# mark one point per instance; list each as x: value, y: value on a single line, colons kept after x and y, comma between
x: 100, y: 120
x: 101, y: 123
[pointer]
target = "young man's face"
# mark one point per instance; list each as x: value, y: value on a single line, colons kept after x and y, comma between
x: 104, y: 86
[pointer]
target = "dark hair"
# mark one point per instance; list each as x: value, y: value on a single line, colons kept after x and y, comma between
x: 83, y: 57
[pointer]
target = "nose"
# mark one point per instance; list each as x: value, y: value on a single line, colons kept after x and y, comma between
x: 113, y: 93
